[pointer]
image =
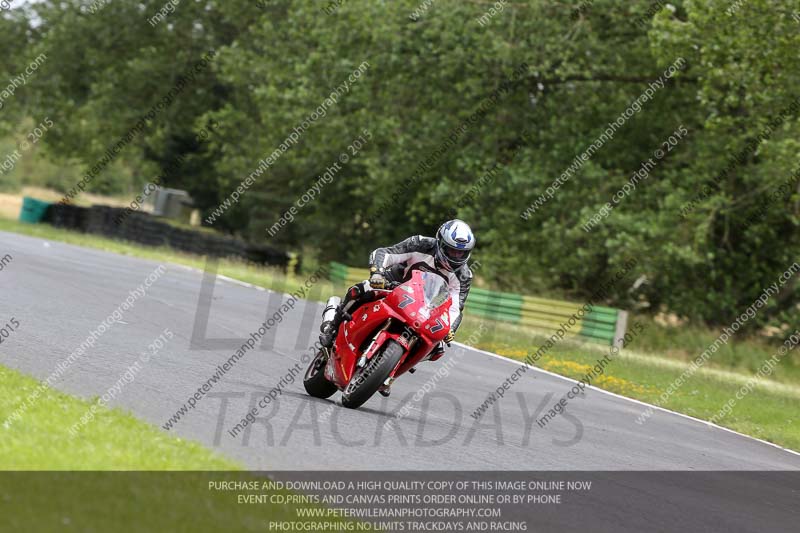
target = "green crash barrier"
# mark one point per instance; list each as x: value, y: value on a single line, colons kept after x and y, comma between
x: 600, y: 324
x: 33, y: 210
x: 346, y: 275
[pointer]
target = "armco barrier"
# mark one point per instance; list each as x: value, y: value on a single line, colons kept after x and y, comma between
x: 601, y: 324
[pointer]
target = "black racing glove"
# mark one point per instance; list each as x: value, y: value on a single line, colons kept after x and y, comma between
x: 377, y: 279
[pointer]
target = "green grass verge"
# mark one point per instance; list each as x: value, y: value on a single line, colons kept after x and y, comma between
x: 118, y: 474
x: 150, y: 501
x: 125, y: 502
x: 686, y: 342
x: 681, y: 343
x: 114, y: 440
x: 767, y: 413
x: 770, y: 412
x: 771, y: 416
x: 272, y: 278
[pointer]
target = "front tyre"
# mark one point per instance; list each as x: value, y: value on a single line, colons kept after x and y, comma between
x: 366, y: 382
x: 315, y: 382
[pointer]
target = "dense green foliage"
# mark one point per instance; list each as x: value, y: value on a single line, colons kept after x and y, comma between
x: 560, y: 71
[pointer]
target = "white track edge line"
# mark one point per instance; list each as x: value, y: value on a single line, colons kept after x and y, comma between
x: 543, y: 371
x: 705, y: 422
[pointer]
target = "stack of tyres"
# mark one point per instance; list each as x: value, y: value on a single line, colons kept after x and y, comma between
x: 266, y: 255
x: 120, y: 223
x: 69, y: 217
x: 100, y: 220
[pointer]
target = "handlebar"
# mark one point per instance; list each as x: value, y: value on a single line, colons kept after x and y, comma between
x: 388, y: 286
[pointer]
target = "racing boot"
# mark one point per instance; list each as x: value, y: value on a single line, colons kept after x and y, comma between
x: 332, y: 318
x: 386, y: 388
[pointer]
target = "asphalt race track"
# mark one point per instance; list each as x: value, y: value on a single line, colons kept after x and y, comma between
x: 59, y: 293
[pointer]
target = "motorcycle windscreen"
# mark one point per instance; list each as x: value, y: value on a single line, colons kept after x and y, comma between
x: 434, y: 290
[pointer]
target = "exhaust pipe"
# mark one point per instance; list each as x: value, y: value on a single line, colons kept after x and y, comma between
x: 330, y: 311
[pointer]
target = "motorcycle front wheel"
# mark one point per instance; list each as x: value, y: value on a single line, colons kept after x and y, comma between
x: 366, y: 381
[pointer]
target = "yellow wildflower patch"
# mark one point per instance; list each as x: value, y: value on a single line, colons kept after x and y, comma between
x: 573, y: 369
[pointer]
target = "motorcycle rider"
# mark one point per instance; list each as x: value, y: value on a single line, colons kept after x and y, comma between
x: 448, y: 253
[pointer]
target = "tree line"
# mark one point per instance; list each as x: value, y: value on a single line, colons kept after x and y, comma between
x: 448, y: 104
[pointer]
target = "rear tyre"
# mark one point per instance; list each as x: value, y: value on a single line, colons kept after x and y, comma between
x: 369, y: 379
x: 315, y: 382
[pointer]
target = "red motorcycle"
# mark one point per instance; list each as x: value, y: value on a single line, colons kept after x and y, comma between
x: 382, y: 339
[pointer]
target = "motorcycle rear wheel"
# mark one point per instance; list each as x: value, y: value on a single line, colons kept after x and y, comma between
x: 315, y: 382
x: 369, y: 379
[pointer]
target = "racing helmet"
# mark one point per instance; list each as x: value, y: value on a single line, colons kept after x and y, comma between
x: 454, y: 244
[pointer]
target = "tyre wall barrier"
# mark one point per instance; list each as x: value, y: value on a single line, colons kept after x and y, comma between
x: 120, y: 223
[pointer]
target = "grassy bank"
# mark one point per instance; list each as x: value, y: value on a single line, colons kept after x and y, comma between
x: 271, y: 278
x: 686, y: 342
x: 643, y: 371
x: 117, y: 474
x: 96, y: 499
x: 40, y: 440
x: 769, y: 412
